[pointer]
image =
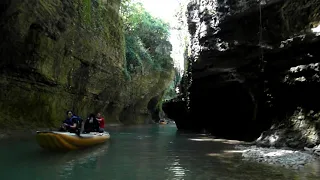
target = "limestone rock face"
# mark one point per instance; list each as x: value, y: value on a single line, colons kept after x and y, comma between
x: 251, y: 66
x: 68, y: 54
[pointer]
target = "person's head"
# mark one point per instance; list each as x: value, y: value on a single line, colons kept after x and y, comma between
x: 91, y: 116
x: 69, y: 114
x: 99, y: 115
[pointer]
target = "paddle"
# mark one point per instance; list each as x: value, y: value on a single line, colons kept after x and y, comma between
x: 78, y: 133
x: 77, y: 130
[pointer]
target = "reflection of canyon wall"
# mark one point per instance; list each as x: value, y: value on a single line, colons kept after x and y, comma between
x: 236, y: 92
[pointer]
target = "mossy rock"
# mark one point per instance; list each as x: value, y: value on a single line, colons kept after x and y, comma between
x: 58, y: 59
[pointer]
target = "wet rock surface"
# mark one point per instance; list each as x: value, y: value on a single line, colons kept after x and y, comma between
x: 281, y: 157
x: 315, y: 150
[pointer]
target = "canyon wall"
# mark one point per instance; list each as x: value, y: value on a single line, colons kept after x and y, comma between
x: 252, y: 68
x: 61, y: 55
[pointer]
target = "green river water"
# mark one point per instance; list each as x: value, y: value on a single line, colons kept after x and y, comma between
x: 142, y: 152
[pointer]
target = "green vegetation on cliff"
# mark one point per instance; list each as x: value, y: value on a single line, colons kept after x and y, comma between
x: 146, y: 38
x: 147, y: 44
x: 71, y: 55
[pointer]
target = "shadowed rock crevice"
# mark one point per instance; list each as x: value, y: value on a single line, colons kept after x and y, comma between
x: 225, y: 109
x: 153, y: 108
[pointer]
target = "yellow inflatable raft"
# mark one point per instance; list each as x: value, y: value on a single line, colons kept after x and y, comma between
x: 54, y: 140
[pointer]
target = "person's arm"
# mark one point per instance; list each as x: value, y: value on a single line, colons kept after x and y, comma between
x: 73, y: 126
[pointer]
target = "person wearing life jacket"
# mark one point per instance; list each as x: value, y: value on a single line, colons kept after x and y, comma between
x: 91, y: 124
x: 72, y: 123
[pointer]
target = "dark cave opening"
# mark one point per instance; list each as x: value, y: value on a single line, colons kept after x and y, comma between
x: 225, y: 110
x: 152, y: 107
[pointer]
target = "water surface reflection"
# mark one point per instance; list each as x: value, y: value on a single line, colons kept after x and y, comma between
x: 142, y: 152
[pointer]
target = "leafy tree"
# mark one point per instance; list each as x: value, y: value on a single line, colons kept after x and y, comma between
x: 146, y: 38
x: 147, y: 44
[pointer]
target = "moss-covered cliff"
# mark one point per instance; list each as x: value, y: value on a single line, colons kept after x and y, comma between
x: 69, y: 54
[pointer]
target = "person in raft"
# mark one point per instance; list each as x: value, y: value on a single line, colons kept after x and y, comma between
x: 71, y: 123
x: 91, y: 124
x: 101, y: 122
